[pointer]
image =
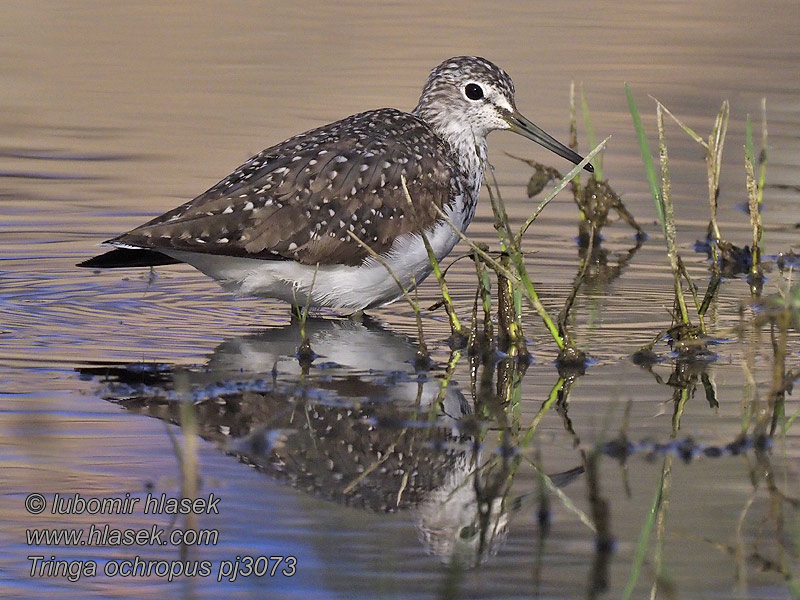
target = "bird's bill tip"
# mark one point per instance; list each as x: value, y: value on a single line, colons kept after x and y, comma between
x: 521, y: 125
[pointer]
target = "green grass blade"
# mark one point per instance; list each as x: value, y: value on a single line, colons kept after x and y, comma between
x: 647, y: 158
x: 573, y: 173
x: 587, y: 120
x: 762, y: 159
x: 748, y: 141
x: 644, y: 537
x: 753, y: 197
x: 689, y: 131
x: 565, y: 500
x: 791, y: 420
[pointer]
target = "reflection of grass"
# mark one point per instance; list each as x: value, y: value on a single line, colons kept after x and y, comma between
x: 644, y: 536
x: 186, y: 453
x: 782, y: 314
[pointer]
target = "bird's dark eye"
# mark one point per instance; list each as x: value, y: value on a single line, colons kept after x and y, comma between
x: 473, y: 91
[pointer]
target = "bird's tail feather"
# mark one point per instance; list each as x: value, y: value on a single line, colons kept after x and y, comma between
x: 128, y: 257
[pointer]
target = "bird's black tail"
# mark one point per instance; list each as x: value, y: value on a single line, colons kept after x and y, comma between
x: 125, y: 257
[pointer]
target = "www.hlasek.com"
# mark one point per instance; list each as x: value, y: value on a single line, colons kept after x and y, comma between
x: 103, y: 535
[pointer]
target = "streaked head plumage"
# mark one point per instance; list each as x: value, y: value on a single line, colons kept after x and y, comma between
x: 468, y: 90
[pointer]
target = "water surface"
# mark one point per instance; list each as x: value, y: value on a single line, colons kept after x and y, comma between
x: 359, y: 466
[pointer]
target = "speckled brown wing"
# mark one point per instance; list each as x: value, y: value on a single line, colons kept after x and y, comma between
x: 298, y: 200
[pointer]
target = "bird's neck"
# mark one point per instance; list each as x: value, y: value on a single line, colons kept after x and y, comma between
x: 468, y: 147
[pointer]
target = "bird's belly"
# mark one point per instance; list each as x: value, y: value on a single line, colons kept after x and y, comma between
x: 337, y: 286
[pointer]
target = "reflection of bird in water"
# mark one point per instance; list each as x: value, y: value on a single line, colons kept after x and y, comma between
x: 284, y: 224
x: 359, y: 427
x: 458, y: 523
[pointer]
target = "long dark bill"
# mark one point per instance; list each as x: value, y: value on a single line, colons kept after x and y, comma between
x: 521, y: 125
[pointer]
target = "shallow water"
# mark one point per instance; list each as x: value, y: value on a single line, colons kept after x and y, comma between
x: 111, y: 114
